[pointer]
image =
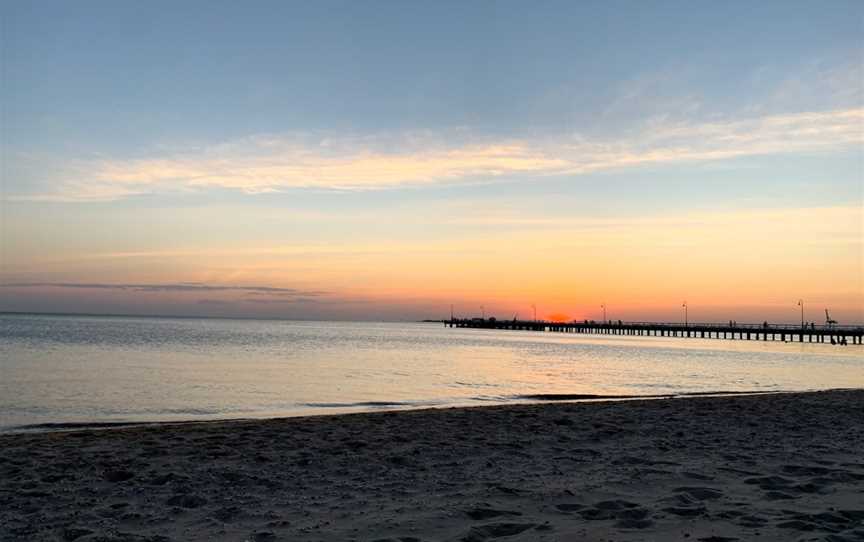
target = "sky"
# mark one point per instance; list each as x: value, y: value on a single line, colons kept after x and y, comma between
x: 386, y: 160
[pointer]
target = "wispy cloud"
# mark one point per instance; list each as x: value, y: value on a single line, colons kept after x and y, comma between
x: 193, y: 287
x: 279, y: 300
x: 217, y: 302
x: 191, y: 292
x: 272, y: 164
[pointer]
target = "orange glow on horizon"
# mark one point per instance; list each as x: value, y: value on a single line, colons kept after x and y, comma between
x: 641, y: 267
x: 558, y: 317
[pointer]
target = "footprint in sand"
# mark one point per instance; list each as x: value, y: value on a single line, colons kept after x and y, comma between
x: 799, y: 470
x: 797, y: 525
x: 569, y: 507
x: 778, y: 496
x: 496, y: 530
x: 478, y: 514
x: 770, y: 483
x: 634, y: 523
x: 686, y: 511
x: 823, y: 521
x: 752, y: 521
x: 74, y: 533
x: 628, y: 514
x: 616, y: 504
x: 700, y: 493
x: 186, y: 501
x: 118, y: 475
x: 853, y: 515
x: 696, y: 475
x: 161, y: 480
x: 227, y: 514
x: 814, y: 486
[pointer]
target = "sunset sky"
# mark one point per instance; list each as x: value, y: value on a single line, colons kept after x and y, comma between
x: 384, y: 160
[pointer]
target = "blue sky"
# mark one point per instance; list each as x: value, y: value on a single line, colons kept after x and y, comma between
x: 100, y: 76
x: 351, y: 117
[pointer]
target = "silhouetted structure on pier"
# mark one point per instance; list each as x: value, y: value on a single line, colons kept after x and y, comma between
x: 833, y: 333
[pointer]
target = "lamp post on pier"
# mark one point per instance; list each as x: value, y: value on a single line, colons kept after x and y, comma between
x: 534, y: 307
x: 686, y: 324
x: 483, y: 311
x: 801, y: 304
x: 603, y: 306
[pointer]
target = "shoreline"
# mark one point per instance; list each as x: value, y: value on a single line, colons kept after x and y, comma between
x: 779, y: 466
x: 347, y: 409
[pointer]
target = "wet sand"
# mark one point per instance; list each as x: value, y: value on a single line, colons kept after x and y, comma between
x: 770, y: 467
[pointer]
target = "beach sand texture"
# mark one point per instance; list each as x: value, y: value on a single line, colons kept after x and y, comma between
x: 771, y: 467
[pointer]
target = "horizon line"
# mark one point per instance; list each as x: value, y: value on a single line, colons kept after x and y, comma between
x: 294, y: 319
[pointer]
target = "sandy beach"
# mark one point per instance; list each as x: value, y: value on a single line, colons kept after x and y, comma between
x: 770, y: 467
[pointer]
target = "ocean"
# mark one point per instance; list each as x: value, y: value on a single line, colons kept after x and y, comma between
x: 98, y: 369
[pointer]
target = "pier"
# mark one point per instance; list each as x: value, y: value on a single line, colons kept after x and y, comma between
x: 833, y: 334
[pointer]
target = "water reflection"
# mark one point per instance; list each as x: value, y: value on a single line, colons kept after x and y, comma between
x: 93, y: 368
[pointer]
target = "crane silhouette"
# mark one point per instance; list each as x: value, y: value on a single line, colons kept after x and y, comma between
x: 829, y: 322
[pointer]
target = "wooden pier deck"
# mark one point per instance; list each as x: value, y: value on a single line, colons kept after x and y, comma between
x: 766, y: 332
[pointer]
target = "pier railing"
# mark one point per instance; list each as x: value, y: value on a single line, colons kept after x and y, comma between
x: 716, y: 325
x: 810, y: 332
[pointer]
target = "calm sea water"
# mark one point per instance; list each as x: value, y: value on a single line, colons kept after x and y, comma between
x: 101, y: 369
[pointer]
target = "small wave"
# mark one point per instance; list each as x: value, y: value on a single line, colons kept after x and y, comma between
x: 78, y: 426
x: 753, y: 392
x: 360, y: 404
x: 188, y: 411
x: 493, y: 398
x: 56, y: 426
x: 579, y: 396
x: 589, y: 396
